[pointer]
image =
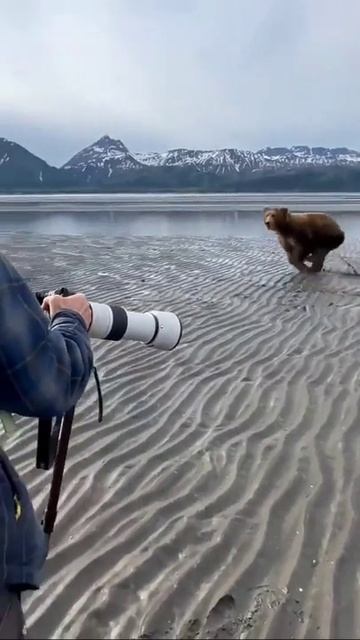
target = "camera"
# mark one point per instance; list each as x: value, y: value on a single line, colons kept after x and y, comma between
x: 158, y: 329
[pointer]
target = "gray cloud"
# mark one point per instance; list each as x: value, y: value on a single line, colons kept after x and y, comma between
x: 161, y: 73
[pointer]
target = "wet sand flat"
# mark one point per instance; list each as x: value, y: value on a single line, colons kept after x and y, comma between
x: 220, y: 497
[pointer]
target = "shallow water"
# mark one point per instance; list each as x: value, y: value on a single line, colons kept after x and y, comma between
x: 214, y: 215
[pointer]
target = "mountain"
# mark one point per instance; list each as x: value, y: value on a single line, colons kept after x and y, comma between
x: 20, y: 169
x: 102, y: 161
x: 108, y: 165
x: 107, y: 161
x: 234, y: 161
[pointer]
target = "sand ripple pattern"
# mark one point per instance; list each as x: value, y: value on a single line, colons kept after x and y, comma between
x: 220, y: 497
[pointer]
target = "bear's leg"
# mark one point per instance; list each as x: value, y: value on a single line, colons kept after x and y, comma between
x: 295, y: 257
x: 317, y: 260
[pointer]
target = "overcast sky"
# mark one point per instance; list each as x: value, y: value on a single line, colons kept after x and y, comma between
x: 161, y: 74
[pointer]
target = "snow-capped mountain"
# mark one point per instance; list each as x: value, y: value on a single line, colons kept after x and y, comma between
x: 107, y: 158
x: 235, y: 160
x: 102, y: 159
x: 108, y: 164
x: 298, y: 156
x: 219, y: 161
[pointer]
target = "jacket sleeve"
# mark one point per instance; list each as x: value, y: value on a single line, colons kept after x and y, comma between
x: 44, y: 368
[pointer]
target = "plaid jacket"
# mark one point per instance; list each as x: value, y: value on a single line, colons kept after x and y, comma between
x: 44, y: 369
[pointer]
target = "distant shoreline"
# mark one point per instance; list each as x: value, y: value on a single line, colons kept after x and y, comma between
x: 243, y: 195
x: 172, y: 203
x: 118, y: 191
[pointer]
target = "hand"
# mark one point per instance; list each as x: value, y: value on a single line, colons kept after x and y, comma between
x: 78, y: 302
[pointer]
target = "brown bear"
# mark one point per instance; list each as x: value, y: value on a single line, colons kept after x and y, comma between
x: 305, y: 236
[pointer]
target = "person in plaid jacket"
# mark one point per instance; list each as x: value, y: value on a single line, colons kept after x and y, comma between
x: 44, y: 369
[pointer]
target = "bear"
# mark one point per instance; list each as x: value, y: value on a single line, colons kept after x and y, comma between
x: 305, y: 236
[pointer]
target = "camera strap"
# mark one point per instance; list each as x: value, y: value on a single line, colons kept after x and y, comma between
x: 100, y: 397
x: 52, y: 448
x: 64, y: 432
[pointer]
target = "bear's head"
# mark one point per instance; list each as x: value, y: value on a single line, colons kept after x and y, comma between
x: 276, y: 219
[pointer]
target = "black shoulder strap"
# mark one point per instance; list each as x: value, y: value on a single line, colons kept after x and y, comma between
x: 58, y: 471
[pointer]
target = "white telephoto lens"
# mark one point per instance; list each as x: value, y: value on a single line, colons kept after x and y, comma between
x: 169, y: 330
x: 159, y: 329
x: 102, y: 320
x: 140, y: 326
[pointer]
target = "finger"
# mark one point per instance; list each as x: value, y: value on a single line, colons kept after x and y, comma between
x: 45, y: 304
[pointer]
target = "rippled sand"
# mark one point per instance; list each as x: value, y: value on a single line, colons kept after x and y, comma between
x: 220, y: 497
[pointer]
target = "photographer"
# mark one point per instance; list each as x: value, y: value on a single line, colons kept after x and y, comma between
x: 44, y: 369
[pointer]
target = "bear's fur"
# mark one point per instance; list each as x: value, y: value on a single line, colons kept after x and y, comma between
x: 305, y: 236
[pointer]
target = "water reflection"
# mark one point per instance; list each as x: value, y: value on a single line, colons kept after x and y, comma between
x: 154, y: 223
x: 125, y: 224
